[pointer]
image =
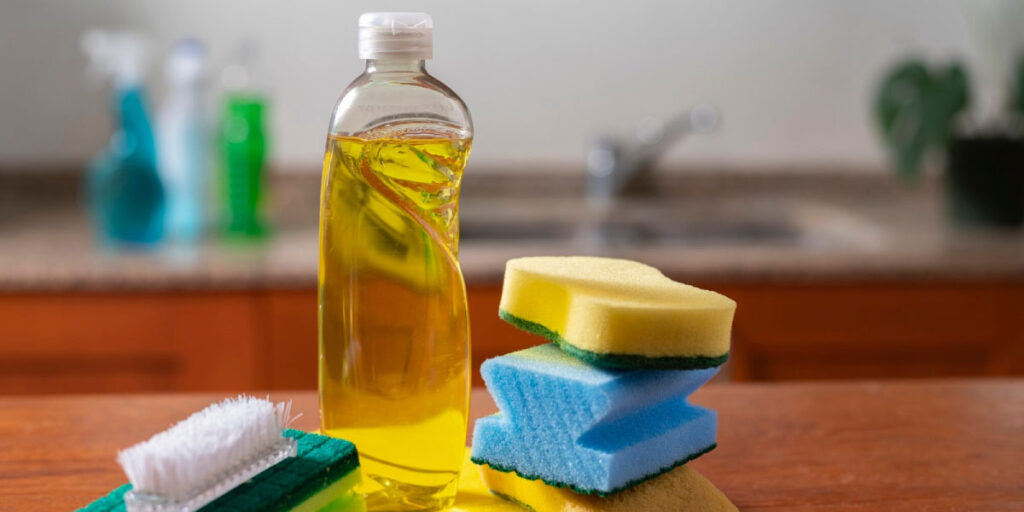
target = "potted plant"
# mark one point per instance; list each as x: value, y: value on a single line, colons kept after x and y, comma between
x: 920, y: 109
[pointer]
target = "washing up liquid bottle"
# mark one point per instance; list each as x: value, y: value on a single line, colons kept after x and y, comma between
x: 126, y: 197
x: 182, y: 130
x: 394, y: 329
x: 243, y: 138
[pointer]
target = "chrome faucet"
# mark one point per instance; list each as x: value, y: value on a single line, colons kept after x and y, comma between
x: 616, y: 167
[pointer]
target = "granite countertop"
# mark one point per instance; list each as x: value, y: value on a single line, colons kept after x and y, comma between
x: 870, y: 229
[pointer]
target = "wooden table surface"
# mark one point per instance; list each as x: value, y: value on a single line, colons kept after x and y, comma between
x: 844, y: 446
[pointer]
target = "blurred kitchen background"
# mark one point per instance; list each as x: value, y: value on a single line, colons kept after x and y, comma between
x: 851, y: 173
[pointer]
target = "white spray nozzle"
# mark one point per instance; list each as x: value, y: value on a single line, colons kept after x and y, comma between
x: 187, y: 63
x: 116, y: 56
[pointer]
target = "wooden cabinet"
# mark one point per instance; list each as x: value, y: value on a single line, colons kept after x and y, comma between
x: 267, y: 339
x: 89, y: 342
x: 880, y: 330
x: 291, y: 330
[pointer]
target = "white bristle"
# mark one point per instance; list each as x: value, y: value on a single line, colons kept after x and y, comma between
x: 195, y: 453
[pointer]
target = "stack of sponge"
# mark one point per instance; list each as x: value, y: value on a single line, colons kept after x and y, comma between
x: 598, y: 419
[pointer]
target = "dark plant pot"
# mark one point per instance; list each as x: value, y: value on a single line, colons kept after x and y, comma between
x: 985, y: 181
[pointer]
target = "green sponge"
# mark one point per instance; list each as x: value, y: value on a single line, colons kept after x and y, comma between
x: 617, y: 313
x: 319, y: 478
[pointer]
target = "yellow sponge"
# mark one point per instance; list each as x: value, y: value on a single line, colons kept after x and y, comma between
x: 617, y: 313
x: 680, y: 489
x: 473, y: 496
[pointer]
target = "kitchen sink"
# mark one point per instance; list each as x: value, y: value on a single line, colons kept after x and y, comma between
x: 616, y: 232
x: 700, y: 223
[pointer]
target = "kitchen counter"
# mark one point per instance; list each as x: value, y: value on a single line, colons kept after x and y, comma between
x: 838, y: 275
x: 844, y: 446
x: 887, y: 232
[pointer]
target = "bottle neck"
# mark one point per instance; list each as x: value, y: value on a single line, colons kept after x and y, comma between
x: 396, y: 65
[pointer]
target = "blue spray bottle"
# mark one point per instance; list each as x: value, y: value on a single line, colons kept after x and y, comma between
x: 126, y: 198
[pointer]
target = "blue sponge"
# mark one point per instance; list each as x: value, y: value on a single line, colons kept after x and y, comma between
x: 593, y: 430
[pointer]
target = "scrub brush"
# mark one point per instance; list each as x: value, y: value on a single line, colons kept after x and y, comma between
x: 229, y: 457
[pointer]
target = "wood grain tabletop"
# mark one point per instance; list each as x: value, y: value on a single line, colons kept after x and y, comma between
x: 839, y: 446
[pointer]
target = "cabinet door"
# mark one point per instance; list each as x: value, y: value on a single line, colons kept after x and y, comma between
x: 880, y: 330
x: 105, y: 342
x: 291, y: 327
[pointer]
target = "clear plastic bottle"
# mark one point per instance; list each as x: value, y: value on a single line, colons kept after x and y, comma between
x: 394, y: 328
x: 183, y: 135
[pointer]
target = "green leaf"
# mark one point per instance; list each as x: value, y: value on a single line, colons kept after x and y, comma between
x: 1017, y: 94
x: 915, y: 109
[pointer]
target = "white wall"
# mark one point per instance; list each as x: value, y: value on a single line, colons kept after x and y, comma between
x: 541, y: 77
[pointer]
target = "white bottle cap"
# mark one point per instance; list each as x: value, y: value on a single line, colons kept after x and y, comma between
x: 408, y: 35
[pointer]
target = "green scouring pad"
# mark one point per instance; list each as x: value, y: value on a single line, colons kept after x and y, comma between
x: 320, y: 477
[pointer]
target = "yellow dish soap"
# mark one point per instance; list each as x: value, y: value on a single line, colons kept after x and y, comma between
x: 394, y: 328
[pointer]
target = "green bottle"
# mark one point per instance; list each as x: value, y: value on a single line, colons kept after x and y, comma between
x: 243, y: 137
